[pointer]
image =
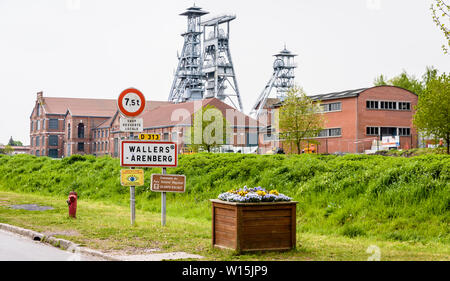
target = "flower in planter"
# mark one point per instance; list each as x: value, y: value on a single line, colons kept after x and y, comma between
x: 253, y: 195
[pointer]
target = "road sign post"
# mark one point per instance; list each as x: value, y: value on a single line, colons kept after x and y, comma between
x: 150, y: 154
x: 163, y: 203
x: 133, y: 204
x: 167, y: 183
x: 131, y: 103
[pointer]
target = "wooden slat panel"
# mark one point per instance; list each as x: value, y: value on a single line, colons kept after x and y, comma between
x: 264, y: 238
x: 267, y: 213
x: 225, y: 243
x: 267, y: 221
x: 225, y: 235
x: 270, y: 207
x: 213, y: 240
x: 226, y: 228
x: 276, y: 244
x: 225, y: 239
x: 266, y: 230
x: 294, y: 226
x: 225, y: 220
x: 224, y: 206
x: 221, y: 212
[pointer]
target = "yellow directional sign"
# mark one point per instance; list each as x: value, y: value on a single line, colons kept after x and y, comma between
x: 132, y: 177
x: 150, y: 137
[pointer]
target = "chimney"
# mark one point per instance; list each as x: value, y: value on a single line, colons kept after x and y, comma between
x: 40, y: 97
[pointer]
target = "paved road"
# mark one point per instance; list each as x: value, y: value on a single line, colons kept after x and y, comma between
x: 18, y: 248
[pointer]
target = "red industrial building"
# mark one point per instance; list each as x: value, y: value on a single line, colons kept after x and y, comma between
x: 61, y: 127
x: 354, y: 121
x: 357, y: 120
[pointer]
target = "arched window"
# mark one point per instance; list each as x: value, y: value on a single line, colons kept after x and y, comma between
x: 81, y: 131
x: 68, y: 131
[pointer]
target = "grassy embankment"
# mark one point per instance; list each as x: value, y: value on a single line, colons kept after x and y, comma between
x: 345, y: 203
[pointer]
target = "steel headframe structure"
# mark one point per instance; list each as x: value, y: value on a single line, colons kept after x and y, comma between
x: 188, y: 81
x: 218, y: 66
x: 206, y: 74
x: 282, y: 80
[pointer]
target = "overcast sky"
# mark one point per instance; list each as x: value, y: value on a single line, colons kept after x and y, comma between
x: 97, y: 48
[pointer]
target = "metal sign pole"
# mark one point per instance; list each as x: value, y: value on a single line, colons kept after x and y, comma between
x: 163, y: 203
x: 132, y: 198
x: 132, y: 203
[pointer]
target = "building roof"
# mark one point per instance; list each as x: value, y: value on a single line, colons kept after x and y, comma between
x: 338, y: 95
x: 180, y: 114
x: 344, y: 94
x: 89, y: 107
x: 80, y: 107
x: 149, y: 106
x: 194, y: 10
x: 285, y: 53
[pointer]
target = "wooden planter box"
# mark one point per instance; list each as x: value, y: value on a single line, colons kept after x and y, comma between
x: 253, y: 226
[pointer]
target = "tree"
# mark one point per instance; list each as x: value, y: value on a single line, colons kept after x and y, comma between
x: 441, y: 14
x: 433, y: 109
x: 299, y: 118
x: 6, y: 150
x: 209, y: 129
x: 380, y: 81
x: 408, y: 82
x: 12, y: 142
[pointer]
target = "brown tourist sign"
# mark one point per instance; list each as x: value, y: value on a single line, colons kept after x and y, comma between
x: 168, y: 183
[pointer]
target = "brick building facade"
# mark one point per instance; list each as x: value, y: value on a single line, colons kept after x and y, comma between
x: 61, y: 127
x: 356, y: 119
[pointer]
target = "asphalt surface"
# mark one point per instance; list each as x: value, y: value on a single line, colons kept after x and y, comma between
x: 15, y: 247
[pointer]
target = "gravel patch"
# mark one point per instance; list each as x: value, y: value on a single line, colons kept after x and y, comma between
x: 159, y: 257
x: 31, y: 207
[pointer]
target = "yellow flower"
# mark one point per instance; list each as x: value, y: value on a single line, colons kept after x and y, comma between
x: 261, y: 193
x: 274, y: 192
x: 242, y: 193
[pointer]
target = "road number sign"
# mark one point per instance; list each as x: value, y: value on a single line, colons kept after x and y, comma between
x: 148, y: 154
x: 135, y: 125
x: 131, y: 102
x: 150, y: 137
x: 168, y: 183
x: 132, y: 177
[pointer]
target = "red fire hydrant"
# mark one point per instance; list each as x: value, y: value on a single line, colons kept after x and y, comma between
x: 72, y: 202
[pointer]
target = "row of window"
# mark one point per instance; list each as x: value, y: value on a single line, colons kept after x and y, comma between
x: 376, y: 131
x: 52, y: 140
x: 328, y: 107
x: 100, y: 133
x: 100, y: 146
x: 388, y: 105
x: 53, y: 124
x: 51, y: 153
x: 334, y: 132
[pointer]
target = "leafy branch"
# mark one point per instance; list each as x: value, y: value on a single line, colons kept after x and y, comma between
x: 441, y: 13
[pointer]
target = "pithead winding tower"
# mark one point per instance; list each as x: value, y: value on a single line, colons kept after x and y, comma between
x: 206, y: 72
x: 282, y: 80
x: 217, y: 64
x: 188, y: 81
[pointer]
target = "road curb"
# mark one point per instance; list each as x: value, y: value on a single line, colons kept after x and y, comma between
x: 56, y: 242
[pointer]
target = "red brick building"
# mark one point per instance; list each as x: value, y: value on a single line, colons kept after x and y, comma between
x: 354, y: 119
x: 62, y: 127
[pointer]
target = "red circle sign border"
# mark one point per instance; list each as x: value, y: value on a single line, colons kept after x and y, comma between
x: 121, y: 97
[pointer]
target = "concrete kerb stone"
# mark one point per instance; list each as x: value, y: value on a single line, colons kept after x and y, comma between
x: 56, y: 242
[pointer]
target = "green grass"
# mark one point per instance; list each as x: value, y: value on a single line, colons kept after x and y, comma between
x: 351, y: 200
x: 106, y: 227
